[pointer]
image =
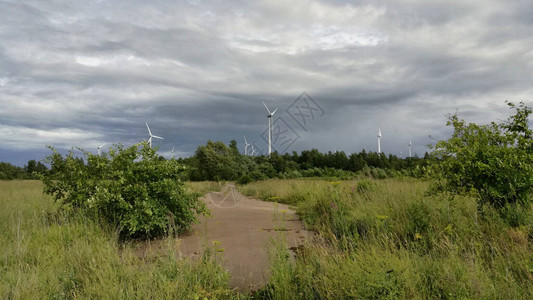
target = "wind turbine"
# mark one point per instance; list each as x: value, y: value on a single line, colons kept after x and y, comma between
x: 379, y: 141
x: 410, y: 146
x: 253, y: 150
x: 245, y: 146
x: 152, y: 136
x: 270, y: 114
x: 172, y: 152
x: 99, y: 147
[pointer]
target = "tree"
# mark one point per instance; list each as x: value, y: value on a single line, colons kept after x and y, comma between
x: 34, y: 168
x: 9, y: 172
x: 495, y: 160
x: 216, y: 161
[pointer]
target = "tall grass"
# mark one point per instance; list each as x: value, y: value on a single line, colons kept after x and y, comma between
x: 287, y: 191
x: 394, y: 239
x: 204, y: 187
x: 378, y: 239
x: 44, y: 255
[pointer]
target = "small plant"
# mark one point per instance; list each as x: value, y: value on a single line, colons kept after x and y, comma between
x: 130, y: 187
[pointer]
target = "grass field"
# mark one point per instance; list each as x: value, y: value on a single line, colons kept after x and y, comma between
x: 394, y: 239
x: 379, y: 239
x: 46, y: 255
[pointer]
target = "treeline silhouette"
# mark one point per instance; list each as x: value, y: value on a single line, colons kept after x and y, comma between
x: 216, y: 161
x: 29, y: 171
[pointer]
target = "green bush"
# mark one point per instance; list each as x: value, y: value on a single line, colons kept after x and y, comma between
x: 130, y: 187
x: 244, y: 179
x: 494, y: 160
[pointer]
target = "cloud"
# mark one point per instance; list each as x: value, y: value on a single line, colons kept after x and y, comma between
x: 89, y: 72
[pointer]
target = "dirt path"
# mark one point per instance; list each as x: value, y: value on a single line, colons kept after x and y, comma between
x: 244, y: 228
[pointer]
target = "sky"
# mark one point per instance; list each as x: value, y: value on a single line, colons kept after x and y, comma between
x: 84, y: 73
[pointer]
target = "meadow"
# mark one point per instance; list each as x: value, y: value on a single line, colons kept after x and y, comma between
x: 392, y: 238
x: 45, y: 255
x: 397, y: 238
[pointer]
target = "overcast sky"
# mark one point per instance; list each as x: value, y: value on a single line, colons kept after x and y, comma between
x: 84, y: 73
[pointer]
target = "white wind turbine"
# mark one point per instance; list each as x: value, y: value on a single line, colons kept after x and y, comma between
x: 253, y: 150
x: 410, y: 146
x: 379, y: 141
x: 152, y: 136
x: 270, y: 114
x: 172, y: 152
x: 100, y: 147
x: 245, y: 146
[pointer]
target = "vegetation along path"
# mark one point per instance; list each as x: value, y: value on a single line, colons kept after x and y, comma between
x: 243, y: 229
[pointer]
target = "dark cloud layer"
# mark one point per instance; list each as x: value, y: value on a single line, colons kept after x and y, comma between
x: 83, y: 73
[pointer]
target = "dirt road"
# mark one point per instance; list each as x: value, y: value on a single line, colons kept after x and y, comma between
x: 244, y: 228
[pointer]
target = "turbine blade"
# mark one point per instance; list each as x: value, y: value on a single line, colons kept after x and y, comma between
x: 245, y: 141
x: 148, y: 128
x: 157, y: 137
x: 267, y: 108
x: 274, y: 112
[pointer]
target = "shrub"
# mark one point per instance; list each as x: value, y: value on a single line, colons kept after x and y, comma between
x: 495, y: 160
x: 130, y: 187
x: 244, y: 179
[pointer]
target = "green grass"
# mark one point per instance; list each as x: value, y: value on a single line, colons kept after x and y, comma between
x: 394, y: 239
x: 45, y: 255
x: 287, y: 191
x: 204, y: 187
x: 378, y: 239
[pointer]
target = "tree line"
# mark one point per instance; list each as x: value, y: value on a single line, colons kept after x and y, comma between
x: 217, y: 161
x: 30, y: 171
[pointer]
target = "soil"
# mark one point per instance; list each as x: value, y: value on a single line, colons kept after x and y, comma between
x: 245, y: 229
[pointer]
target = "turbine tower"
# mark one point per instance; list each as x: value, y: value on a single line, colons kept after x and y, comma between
x: 410, y: 146
x: 379, y: 141
x: 270, y: 114
x: 99, y: 147
x: 245, y: 146
x: 152, y: 136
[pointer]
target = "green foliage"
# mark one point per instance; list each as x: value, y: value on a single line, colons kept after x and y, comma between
x: 131, y: 188
x: 34, y: 168
x: 30, y: 171
x: 216, y: 161
x: 494, y: 160
x: 244, y: 179
x: 9, y: 172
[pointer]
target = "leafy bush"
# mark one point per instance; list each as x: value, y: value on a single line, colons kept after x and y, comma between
x: 494, y: 160
x: 244, y: 179
x: 130, y: 187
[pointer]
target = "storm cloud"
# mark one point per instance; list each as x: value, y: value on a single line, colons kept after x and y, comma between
x: 83, y: 73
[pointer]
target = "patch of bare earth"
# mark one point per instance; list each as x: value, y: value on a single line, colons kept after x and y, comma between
x: 244, y: 229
